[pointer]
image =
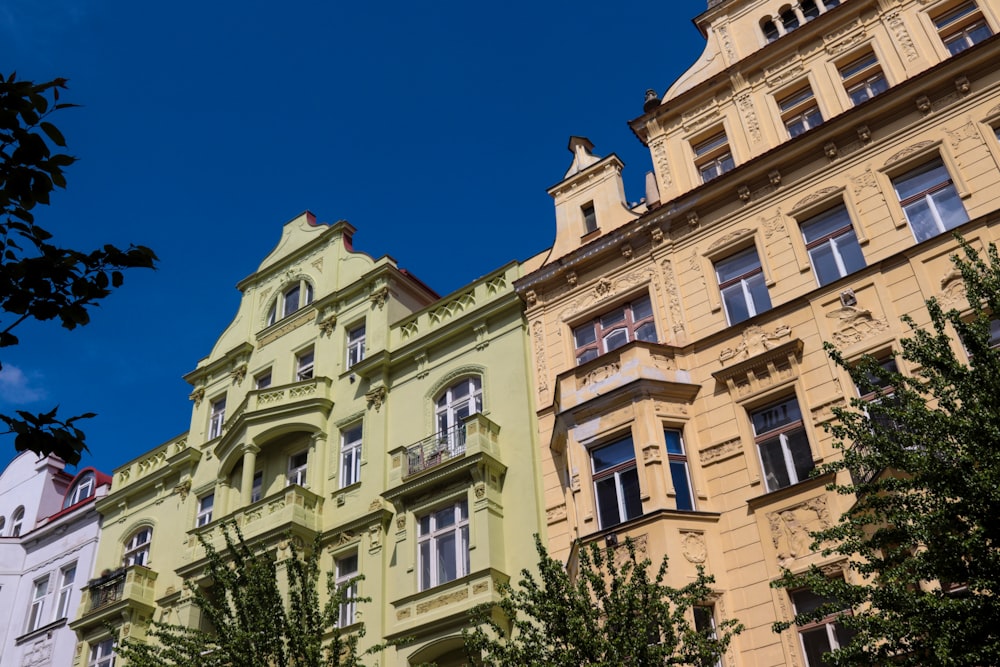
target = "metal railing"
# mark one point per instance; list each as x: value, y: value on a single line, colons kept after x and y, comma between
x: 107, y: 589
x: 436, y: 449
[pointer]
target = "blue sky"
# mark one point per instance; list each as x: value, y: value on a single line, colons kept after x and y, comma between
x: 434, y: 128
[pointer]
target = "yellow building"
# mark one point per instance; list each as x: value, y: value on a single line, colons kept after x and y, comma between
x: 808, y: 169
x: 348, y: 400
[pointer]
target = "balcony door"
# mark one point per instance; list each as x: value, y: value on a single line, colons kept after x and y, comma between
x: 458, y: 401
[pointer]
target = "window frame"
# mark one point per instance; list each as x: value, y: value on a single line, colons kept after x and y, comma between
x: 710, y: 628
x: 589, y: 214
x: 914, y: 170
x: 35, y: 617
x: 829, y: 623
x: 297, y: 474
x: 782, y: 434
x: 451, y: 409
x: 350, y: 455
x: 355, y: 345
x: 67, y: 578
x: 347, y: 611
x: 305, y: 364
x: 262, y: 380
x: 17, y: 522
x: 432, y: 537
x: 136, y: 551
x: 953, y: 25
x: 831, y: 239
x: 624, y: 501
x: 743, y: 280
x: 629, y: 324
x: 102, y: 653
x: 713, y: 154
x: 680, y: 469
x: 204, y: 515
x: 862, y: 72
x: 257, y: 486
x: 278, y: 309
x: 795, y: 107
x: 85, y: 483
x: 216, y: 417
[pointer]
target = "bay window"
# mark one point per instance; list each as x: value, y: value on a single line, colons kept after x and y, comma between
x: 443, y: 545
x: 626, y: 323
x: 350, y: 456
x: 616, y: 482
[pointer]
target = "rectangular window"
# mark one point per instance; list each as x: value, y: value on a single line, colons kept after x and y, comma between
x: 781, y: 440
x: 799, y: 112
x: 347, y: 569
x: 297, y: 468
x: 616, y: 482
x: 205, y: 504
x: 712, y: 157
x: 350, y: 456
x: 741, y: 282
x: 962, y: 27
x: 39, y: 592
x: 679, y: 472
x: 589, y: 218
x: 102, y: 654
x: 863, y: 78
x: 66, y: 578
x: 355, y: 345
x: 304, y: 365
x: 263, y: 381
x: 929, y: 200
x: 832, y: 245
x: 633, y: 321
x: 443, y: 545
x: 217, y: 418
x: 704, y: 623
x: 821, y: 636
x: 257, y: 486
x: 880, y: 394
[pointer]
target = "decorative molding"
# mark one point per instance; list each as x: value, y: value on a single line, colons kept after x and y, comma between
x: 555, y: 514
x: 841, y: 40
x: 963, y: 132
x: 379, y: 296
x: 328, y: 324
x: 730, y: 238
x: 376, y: 397
x: 656, y: 233
x: 749, y: 114
x: 626, y: 251
x: 773, y: 225
x: 791, y: 528
x: 953, y: 291
x: 601, y: 373
x: 540, y: 365
x: 572, y: 278
x: 755, y: 341
x: 864, y: 181
x: 907, y: 152
x: 238, y: 374
x: 855, y: 325
x: 727, y: 43
x: 693, y: 546
x: 673, y: 296
x: 700, y: 116
x: 900, y: 35
x: 198, y: 395
x: 721, y: 452
x: 658, y: 147
x: 620, y: 551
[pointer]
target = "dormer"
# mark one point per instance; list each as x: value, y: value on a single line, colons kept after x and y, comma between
x: 590, y: 200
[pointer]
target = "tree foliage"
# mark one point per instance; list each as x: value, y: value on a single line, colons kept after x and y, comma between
x: 254, y: 621
x: 38, y: 279
x: 922, y: 540
x: 607, y: 614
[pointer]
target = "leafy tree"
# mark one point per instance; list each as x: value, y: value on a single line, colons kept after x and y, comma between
x: 254, y: 622
x: 38, y: 279
x: 922, y: 540
x: 607, y: 614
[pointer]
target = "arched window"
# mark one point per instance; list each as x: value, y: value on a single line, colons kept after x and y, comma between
x: 809, y: 9
x: 81, y: 490
x: 458, y: 401
x: 770, y: 30
x: 137, y: 547
x: 295, y: 296
x: 16, y: 522
x: 3, y: 523
x: 789, y: 19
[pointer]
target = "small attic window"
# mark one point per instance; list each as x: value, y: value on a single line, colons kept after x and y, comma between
x: 295, y: 296
x: 81, y: 490
x: 589, y: 218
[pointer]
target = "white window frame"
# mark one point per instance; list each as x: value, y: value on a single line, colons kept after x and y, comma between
x: 799, y: 108
x: 102, y: 654
x: 83, y: 489
x: 680, y: 469
x: 835, y: 240
x: 829, y: 623
x: 297, y: 471
x: 713, y: 155
x: 743, y: 282
x: 281, y: 308
x: 926, y: 197
x: 257, y: 486
x: 137, y: 547
x: 455, y: 404
x: 958, y: 26
x: 217, y: 418
x: 602, y: 335
x: 67, y: 577
x: 346, y: 570
x: 305, y: 365
x: 355, y: 345
x: 350, y: 455
x: 616, y: 471
x: 782, y: 434
x: 863, y: 74
x: 36, y: 610
x: 17, y: 522
x: 430, y: 539
x: 704, y: 622
x: 262, y: 380
x: 206, y: 504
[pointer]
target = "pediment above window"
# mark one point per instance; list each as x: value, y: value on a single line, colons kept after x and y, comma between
x: 763, y: 359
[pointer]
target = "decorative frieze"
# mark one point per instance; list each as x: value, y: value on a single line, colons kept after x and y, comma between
x: 791, y: 528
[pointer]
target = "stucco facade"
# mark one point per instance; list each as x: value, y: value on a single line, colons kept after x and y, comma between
x: 48, y: 539
x: 348, y: 400
x: 807, y: 171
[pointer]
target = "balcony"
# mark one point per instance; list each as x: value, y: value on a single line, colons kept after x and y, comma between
x: 111, y: 595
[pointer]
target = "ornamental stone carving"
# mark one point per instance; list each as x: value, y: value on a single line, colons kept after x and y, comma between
x: 855, y: 325
x: 720, y: 452
x: 693, y: 547
x: 953, y: 291
x: 376, y: 397
x: 755, y: 341
x: 791, y: 529
x: 328, y: 324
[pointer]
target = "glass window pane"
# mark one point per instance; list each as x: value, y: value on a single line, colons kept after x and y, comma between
x: 949, y: 207
x: 646, y: 332
x: 825, y: 224
x: 615, y: 339
x: 682, y: 485
x: 920, y: 179
x: 737, y: 265
x: 607, y: 502
x: 630, y: 492
x: 773, y: 461
x: 798, y: 445
x: 775, y: 416
x: 616, y: 316
x: 758, y: 293
x: 291, y: 301
x: 850, y: 252
x: 587, y: 355
x: 815, y: 643
x: 824, y: 264
x: 613, y: 454
x: 425, y: 564
x: 447, y: 565
x: 735, y: 302
x: 674, y: 443
x: 641, y: 309
x: 444, y: 518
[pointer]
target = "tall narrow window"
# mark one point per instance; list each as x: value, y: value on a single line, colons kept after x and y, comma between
x: 680, y: 474
x: 460, y: 400
x: 350, y: 456
x: 347, y: 571
x: 929, y: 200
x: 589, y: 218
x: 832, y: 245
x: 809, y: 9
x: 704, y: 623
x: 39, y: 593
x: 67, y: 575
x: 770, y: 30
x: 962, y: 27
x: 789, y: 19
x: 217, y: 418
x: 355, y: 345
x: 293, y: 298
x: 741, y: 282
x: 863, y: 78
x: 17, y: 522
x: 781, y: 440
x: 297, y: 468
x: 257, y: 486
x: 443, y: 545
x: 137, y: 548
x: 205, y: 505
x: 881, y: 395
x: 102, y: 654
x: 263, y: 380
x: 304, y: 365
x: 712, y: 157
x: 632, y: 321
x: 616, y: 482
x: 799, y: 111
x: 821, y: 636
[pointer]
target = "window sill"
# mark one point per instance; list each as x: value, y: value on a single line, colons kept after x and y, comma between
x: 787, y: 491
x: 44, y: 630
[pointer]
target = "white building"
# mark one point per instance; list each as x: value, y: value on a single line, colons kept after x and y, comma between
x: 48, y: 537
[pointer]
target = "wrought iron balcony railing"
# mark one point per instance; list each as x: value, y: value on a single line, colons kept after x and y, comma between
x: 107, y: 589
x: 436, y: 449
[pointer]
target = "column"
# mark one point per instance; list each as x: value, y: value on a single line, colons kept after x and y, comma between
x: 249, y: 465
